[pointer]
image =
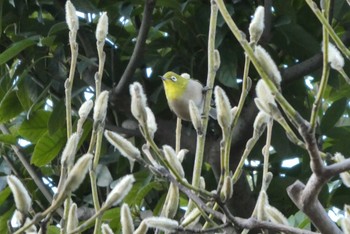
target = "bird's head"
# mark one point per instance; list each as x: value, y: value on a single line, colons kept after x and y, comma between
x: 175, y: 84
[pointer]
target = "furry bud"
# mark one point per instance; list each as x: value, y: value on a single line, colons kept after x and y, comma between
x: 23, y: 201
x: 257, y: 25
x: 100, y: 109
x: 126, y: 219
x: 102, y: 27
x: 138, y: 102
x: 119, y: 191
x: 71, y: 17
x: 268, y: 64
x: 77, y: 174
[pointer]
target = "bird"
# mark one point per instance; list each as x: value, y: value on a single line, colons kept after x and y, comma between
x: 179, y: 90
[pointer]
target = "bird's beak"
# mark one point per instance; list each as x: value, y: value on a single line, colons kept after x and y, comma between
x: 162, y: 77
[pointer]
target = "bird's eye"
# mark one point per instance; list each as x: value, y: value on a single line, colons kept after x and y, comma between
x: 173, y: 78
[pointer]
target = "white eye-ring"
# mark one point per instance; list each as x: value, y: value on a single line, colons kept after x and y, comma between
x: 173, y: 78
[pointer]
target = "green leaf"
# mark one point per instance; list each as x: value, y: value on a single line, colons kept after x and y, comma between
x: 34, y: 127
x: 9, y: 107
x: 23, y: 94
x: 4, y: 194
x: 48, y: 148
x: 57, y: 118
x: 142, y: 193
x: 3, y: 220
x: 16, y: 48
x: 112, y: 216
x: 53, y: 230
x: 8, y: 139
x: 332, y: 115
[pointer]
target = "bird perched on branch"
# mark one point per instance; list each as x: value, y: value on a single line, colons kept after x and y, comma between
x: 179, y: 90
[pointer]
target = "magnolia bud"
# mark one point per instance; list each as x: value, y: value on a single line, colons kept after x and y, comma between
x: 106, y: 229
x: 100, y: 109
x: 72, y: 222
x: 262, y: 204
x: 17, y: 219
x: 223, y: 108
x: 268, y: 64
x: 181, y: 154
x: 102, y: 27
x: 77, y: 174
x: 71, y: 17
x: 119, y: 191
x: 126, y: 219
x: 85, y: 109
x: 345, y: 225
x: 68, y: 154
x: 335, y: 58
x: 260, y: 123
x: 264, y: 97
x: 275, y: 215
x: 201, y: 182
x: 151, y: 122
x: 23, y: 201
x: 125, y: 147
x: 217, y: 60
x: 227, y: 189
x: 170, y: 156
x: 138, y: 102
x: 192, y: 218
x: 257, y: 25
x: 195, y: 117
x: 162, y: 223
x: 142, y: 229
x: 171, y: 202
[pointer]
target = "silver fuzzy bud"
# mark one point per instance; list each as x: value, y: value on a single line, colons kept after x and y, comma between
x: 68, y: 154
x: 195, y: 117
x: 125, y: 147
x: 71, y: 17
x: 223, y: 108
x: 138, y: 102
x: 102, y: 27
x: 21, y: 196
x: 264, y: 98
x: 85, y: 109
x: 77, y: 174
x: 257, y: 25
x: 119, y: 191
x: 100, y: 109
x: 106, y: 229
x: 335, y: 58
x: 72, y: 222
x: 162, y: 223
x: 126, y: 219
x: 170, y: 156
x: 151, y: 122
x: 268, y: 64
x: 275, y: 215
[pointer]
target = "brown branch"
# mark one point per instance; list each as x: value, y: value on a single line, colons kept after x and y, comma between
x: 254, y: 224
x: 305, y: 197
x: 312, y: 207
x: 308, y: 135
x: 337, y: 168
x: 138, y: 50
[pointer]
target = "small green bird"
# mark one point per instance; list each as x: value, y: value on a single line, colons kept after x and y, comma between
x: 179, y: 90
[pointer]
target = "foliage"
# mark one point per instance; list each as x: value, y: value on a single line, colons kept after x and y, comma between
x: 35, y: 63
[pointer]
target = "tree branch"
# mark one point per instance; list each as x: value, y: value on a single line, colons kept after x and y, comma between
x: 138, y: 50
x: 253, y: 223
